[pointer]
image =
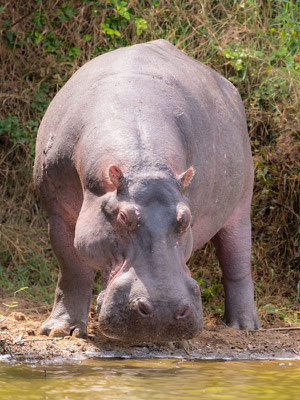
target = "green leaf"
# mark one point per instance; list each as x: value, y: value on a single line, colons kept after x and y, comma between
x: 13, y: 304
x: 10, y: 36
x: 21, y: 289
x: 109, y: 31
x: 141, y: 25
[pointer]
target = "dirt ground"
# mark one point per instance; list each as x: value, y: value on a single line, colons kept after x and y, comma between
x: 19, y: 340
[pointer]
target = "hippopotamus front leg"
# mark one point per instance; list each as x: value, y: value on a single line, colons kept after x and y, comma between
x: 74, y: 286
x: 233, y: 245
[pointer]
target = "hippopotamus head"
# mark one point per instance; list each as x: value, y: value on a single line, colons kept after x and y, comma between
x: 139, y: 235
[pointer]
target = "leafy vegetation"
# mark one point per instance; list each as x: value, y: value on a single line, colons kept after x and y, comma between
x: 253, y: 43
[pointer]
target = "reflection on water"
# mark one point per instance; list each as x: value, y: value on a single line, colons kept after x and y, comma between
x: 152, y: 379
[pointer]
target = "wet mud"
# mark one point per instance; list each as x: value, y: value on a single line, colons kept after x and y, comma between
x: 20, y: 340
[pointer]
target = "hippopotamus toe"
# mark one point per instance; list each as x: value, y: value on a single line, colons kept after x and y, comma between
x: 54, y: 327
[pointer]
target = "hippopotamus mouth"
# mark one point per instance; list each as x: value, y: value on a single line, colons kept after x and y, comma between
x: 121, y: 267
x: 116, y: 271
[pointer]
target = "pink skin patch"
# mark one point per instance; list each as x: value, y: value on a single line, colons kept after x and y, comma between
x: 118, y: 269
x: 179, y: 215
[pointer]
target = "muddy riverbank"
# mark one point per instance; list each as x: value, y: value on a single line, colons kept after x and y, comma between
x: 20, y: 340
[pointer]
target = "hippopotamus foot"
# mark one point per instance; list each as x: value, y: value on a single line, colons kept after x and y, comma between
x: 74, y: 287
x: 66, y: 319
x: 63, y: 326
x: 233, y: 245
x: 240, y: 312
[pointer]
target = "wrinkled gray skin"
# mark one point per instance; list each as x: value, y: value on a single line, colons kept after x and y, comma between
x: 142, y: 157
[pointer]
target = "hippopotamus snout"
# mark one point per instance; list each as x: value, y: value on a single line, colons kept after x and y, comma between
x: 132, y: 311
x: 144, y: 307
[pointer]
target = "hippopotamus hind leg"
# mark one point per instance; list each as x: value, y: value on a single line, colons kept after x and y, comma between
x: 233, y: 245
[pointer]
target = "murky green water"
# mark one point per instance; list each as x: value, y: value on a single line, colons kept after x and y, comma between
x: 152, y: 379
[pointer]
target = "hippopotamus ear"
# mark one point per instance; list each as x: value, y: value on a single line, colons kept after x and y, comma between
x: 185, y: 178
x: 116, y: 176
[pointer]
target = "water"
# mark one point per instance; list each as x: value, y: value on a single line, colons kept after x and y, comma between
x: 162, y: 379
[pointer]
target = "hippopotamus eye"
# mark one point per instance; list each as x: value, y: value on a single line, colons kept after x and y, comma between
x: 128, y: 217
x: 122, y: 218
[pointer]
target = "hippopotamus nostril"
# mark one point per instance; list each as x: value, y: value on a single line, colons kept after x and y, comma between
x: 143, y: 307
x: 183, y: 312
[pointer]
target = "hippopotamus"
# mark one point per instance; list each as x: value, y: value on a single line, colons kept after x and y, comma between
x: 142, y: 158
